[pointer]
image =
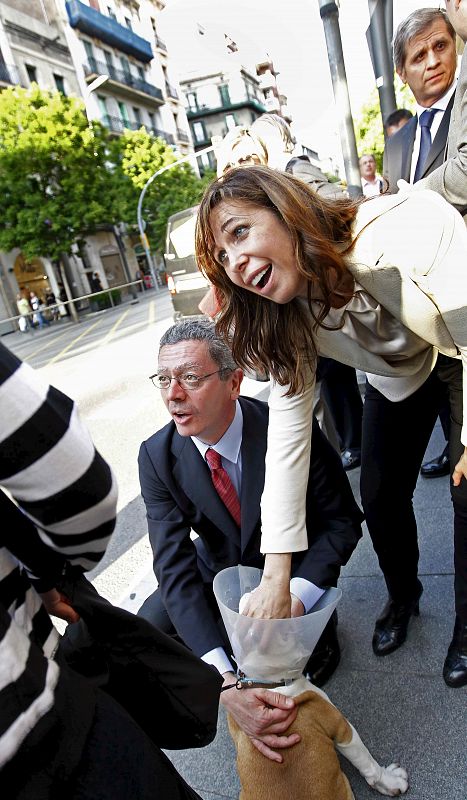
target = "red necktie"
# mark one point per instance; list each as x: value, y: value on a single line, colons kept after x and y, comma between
x: 223, y: 485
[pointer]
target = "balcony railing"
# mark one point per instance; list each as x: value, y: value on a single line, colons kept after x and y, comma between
x: 89, y: 20
x: 171, y: 91
x: 93, y: 67
x: 160, y: 44
x: 118, y: 125
x: 182, y: 136
x: 9, y: 74
x: 204, y: 110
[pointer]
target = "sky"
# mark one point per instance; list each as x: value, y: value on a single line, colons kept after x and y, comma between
x: 292, y: 32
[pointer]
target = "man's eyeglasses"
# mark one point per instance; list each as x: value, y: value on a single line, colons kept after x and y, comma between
x: 188, y: 381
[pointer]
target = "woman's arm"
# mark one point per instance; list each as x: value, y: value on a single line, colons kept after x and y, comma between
x: 283, y: 503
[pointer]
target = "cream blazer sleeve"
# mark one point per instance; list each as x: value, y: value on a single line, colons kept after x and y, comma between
x: 283, y: 503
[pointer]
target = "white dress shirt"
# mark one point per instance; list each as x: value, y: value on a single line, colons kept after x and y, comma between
x: 441, y: 106
x: 229, y: 448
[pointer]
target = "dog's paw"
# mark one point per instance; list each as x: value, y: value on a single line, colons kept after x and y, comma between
x: 392, y: 781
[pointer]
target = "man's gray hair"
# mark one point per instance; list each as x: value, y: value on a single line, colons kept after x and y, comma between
x: 411, y: 26
x: 201, y: 330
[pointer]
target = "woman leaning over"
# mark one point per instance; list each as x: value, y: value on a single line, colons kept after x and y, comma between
x: 380, y: 286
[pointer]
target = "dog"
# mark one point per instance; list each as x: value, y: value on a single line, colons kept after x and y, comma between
x: 311, y: 768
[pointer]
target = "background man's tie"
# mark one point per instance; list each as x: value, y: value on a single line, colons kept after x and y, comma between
x: 425, y: 122
x: 223, y: 485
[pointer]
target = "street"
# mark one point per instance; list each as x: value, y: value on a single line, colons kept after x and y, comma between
x: 103, y: 363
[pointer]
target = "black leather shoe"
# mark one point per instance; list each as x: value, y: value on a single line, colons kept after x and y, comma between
x: 437, y: 467
x: 350, y: 460
x: 391, y: 626
x: 455, y: 666
x: 326, y: 655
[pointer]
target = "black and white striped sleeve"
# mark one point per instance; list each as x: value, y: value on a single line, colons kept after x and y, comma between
x: 49, y: 465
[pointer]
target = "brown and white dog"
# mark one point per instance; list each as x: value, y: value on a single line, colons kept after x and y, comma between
x: 311, y: 769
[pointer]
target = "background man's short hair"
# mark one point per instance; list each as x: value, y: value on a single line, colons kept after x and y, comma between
x: 411, y: 26
x: 395, y: 117
x: 201, y: 330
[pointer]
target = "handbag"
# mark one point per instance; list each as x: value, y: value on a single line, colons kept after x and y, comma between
x: 171, y: 693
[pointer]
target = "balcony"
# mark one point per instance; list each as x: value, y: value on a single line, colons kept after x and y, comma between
x: 171, y: 92
x: 118, y: 125
x: 126, y: 83
x: 108, y: 30
x: 9, y: 74
x: 182, y: 136
x: 205, y: 111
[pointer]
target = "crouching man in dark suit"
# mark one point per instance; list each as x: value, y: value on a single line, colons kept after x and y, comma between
x: 204, y: 472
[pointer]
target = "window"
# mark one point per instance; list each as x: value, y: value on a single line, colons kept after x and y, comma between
x: 103, y: 108
x: 199, y: 132
x: 123, y: 114
x: 108, y: 60
x: 137, y: 116
x: 192, y: 101
x: 225, y: 97
x: 230, y: 121
x: 141, y: 73
x: 59, y: 83
x: 128, y: 23
x: 89, y: 51
x: 125, y: 66
x: 151, y: 120
x: 111, y: 12
x: 32, y: 73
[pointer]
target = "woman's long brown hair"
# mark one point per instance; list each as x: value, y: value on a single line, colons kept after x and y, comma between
x: 261, y: 333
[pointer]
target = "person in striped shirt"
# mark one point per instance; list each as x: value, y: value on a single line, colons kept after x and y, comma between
x: 58, y: 736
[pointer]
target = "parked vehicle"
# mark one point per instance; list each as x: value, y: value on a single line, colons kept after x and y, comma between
x: 187, y: 285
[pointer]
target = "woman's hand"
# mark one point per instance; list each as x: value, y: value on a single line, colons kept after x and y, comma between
x: 58, y: 605
x: 460, y: 470
x: 271, y: 600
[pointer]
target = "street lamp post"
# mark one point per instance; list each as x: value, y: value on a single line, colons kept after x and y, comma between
x: 329, y: 12
x: 141, y: 223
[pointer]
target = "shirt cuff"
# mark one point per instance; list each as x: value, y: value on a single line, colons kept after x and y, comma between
x: 306, y: 591
x: 219, y: 660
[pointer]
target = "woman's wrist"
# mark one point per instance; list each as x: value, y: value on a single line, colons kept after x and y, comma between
x: 277, y: 567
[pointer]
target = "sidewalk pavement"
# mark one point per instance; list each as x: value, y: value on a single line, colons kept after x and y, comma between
x: 399, y: 704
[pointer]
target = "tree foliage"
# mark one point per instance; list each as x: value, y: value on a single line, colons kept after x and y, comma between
x: 140, y: 156
x: 54, y: 182
x: 369, y: 132
x: 62, y: 177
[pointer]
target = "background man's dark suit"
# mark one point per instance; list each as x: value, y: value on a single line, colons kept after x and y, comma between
x: 397, y: 157
x: 179, y: 496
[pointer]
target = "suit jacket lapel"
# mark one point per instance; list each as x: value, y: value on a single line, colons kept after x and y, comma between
x: 439, y: 142
x: 407, y: 135
x: 194, y: 478
x: 254, y: 442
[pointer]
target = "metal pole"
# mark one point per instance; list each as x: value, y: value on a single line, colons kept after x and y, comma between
x: 141, y: 224
x: 329, y: 12
x: 379, y: 35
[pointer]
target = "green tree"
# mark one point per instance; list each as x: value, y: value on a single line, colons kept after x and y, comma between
x: 55, y: 182
x: 369, y: 132
x: 139, y: 156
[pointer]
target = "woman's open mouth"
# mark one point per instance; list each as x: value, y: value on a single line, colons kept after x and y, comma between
x: 260, y: 280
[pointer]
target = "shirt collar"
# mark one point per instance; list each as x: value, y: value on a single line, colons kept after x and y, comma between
x: 442, y: 103
x: 229, y: 444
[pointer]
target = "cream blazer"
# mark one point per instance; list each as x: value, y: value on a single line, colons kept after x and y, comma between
x: 410, y: 256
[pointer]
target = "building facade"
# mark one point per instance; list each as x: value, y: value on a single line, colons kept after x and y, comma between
x: 65, y: 45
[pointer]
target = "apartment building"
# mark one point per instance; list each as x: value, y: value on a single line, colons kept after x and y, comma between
x: 65, y: 45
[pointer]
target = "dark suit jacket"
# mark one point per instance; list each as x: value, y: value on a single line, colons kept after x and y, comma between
x: 179, y: 495
x: 398, y: 151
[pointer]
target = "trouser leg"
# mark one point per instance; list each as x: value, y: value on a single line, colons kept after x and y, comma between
x: 450, y: 372
x: 342, y: 396
x: 395, y: 437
